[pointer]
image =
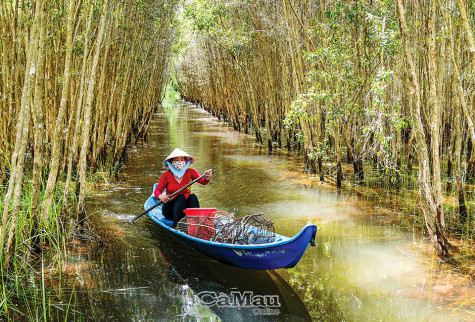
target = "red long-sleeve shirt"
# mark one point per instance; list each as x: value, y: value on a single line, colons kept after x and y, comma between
x: 169, y: 182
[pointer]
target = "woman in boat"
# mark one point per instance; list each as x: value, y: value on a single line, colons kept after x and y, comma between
x: 178, y: 175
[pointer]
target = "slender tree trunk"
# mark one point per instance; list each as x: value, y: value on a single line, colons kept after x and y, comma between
x: 463, y: 215
x: 435, y: 107
x: 339, y: 171
x: 38, y: 126
x: 59, y: 126
x: 78, y: 105
x: 468, y: 30
x: 429, y: 204
x: 458, y: 135
x: 23, y: 126
x: 87, y: 117
x: 471, y: 41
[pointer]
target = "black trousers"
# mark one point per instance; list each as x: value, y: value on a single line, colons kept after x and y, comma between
x: 173, y: 210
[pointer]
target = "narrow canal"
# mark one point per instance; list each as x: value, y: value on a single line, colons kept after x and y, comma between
x: 357, y: 271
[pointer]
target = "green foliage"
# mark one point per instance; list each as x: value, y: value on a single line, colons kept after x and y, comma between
x: 23, y: 288
x: 204, y: 15
x: 171, y: 95
x: 348, y: 81
x: 217, y: 19
x: 322, y: 150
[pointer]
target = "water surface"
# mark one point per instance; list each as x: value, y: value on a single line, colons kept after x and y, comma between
x: 357, y: 271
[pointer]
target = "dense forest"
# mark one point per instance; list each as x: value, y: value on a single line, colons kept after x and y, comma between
x: 384, y: 85
x: 79, y: 81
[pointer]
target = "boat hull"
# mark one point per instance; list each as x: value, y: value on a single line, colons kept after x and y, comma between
x: 285, y: 252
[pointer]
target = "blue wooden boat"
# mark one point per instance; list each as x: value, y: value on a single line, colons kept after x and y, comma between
x: 283, y: 252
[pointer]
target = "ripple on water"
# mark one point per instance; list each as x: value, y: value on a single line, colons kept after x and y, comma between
x: 359, y: 269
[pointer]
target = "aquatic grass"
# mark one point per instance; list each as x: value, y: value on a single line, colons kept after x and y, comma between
x: 43, y: 292
x: 24, y: 289
x: 104, y: 173
x: 70, y: 301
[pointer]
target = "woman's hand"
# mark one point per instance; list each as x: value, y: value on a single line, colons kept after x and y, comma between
x: 164, y: 198
x: 208, y: 174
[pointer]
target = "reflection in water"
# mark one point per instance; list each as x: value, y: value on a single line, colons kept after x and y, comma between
x: 356, y: 272
x: 229, y: 290
x: 128, y: 282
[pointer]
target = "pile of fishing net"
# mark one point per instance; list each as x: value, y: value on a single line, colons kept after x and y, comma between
x: 223, y: 227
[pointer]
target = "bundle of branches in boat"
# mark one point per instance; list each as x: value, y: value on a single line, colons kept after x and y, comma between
x: 223, y: 227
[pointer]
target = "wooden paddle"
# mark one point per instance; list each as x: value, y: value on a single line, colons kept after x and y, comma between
x: 170, y: 196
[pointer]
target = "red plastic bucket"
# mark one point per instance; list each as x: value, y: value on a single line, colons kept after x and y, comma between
x: 195, y: 225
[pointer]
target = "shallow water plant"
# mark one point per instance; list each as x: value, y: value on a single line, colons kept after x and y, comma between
x: 39, y: 249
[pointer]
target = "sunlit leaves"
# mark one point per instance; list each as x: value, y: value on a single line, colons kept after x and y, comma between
x: 215, y: 18
x: 350, y: 80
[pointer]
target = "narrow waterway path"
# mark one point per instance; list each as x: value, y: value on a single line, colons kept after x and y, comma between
x: 357, y: 271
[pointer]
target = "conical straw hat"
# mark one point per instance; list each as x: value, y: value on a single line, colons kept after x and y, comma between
x: 178, y: 153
